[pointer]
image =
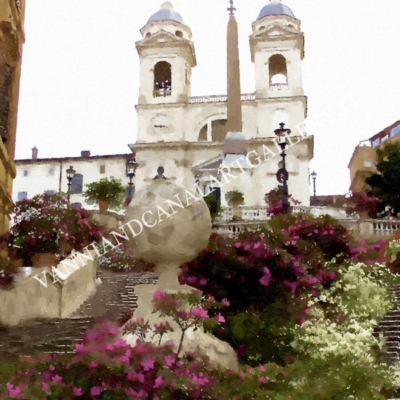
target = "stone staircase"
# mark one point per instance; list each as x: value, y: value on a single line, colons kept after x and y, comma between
x: 114, y: 300
x: 390, y: 328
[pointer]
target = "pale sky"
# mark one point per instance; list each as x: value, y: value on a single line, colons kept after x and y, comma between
x: 80, y: 76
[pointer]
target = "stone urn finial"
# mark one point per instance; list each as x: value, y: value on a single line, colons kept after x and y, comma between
x: 172, y: 225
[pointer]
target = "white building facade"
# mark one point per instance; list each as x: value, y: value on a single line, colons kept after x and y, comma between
x: 185, y: 135
x: 48, y: 175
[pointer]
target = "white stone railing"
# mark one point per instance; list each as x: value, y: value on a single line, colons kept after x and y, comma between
x: 233, y: 229
x: 278, y: 87
x: 382, y: 227
x: 220, y: 98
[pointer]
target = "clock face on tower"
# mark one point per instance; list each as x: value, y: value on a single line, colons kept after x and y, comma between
x: 160, y: 125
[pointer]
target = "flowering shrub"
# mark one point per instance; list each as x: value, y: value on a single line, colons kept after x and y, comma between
x: 106, y: 366
x: 46, y: 224
x: 336, y: 354
x: 265, y: 275
x: 121, y: 259
x: 360, y: 203
x: 337, y: 338
x: 274, y: 201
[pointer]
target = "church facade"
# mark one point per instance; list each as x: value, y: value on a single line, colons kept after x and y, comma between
x: 186, y: 135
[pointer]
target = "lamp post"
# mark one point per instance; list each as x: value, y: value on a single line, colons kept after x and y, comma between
x: 131, y: 166
x: 282, y: 175
x: 314, y: 177
x: 70, y: 174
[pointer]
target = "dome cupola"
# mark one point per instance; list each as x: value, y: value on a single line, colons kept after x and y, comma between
x: 275, y: 7
x: 166, y: 13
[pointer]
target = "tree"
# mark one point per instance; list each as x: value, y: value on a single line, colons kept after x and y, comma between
x: 385, y: 184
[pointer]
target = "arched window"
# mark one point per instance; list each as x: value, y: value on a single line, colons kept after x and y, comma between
x: 162, y: 79
x: 278, y: 72
x: 218, y: 131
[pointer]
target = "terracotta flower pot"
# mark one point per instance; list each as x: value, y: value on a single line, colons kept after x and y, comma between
x: 103, y: 205
x: 44, y: 260
x: 363, y: 214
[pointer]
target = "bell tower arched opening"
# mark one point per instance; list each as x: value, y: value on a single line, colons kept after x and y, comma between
x: 277, y: 71
x: 162, y: 79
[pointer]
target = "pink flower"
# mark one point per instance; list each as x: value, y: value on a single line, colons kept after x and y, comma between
x: 93, y: 364
x: 169, y: 360
x: 56, y: 379
x: 262, y: 369
x: 199, y: 312
x: 220, y: 318
x: 134, y: 376
x: 95, y: 391
x: 250, y: 371
x: 45, y: 387
x: 77, y: 392
x: 266, y: 279
x: 158, y: 294
x: 203, y: 282
x: 262, y: 379
x: 225, y: 302
x: 257, y: 245
x: 241, y: 374
x: 158, y: 382
x: 148, y: 364
x: 247, y: 247
x: 13, y: 392
x: 237, y: 245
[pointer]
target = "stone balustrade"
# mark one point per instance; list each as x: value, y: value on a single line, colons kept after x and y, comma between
x: 220, y: 98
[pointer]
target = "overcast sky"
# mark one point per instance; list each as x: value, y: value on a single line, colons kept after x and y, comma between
x: 80, y: 75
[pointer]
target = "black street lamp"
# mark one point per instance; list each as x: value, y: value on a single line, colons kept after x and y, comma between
x: 314, y: 178
x: 131, y: 166
x: 282, y: 175
x: 70, y: 174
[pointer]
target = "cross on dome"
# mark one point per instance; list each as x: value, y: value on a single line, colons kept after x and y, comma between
x: 231, y: 9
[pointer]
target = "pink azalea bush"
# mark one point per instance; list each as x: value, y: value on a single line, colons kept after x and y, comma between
x: 47, y: 224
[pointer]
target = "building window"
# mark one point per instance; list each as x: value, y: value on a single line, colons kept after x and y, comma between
x: 26, y: 173
x: 395, y: 131
x: 77, y: 184
x: 386, y: 137
x: 375, y: 143
x: 51, y: 172
x: 50, y: 192
x: 102, y: 169
x: 368, y: 164
x: 22, y: 196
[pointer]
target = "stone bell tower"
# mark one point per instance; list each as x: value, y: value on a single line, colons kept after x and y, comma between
x: 277, y: 49
x: 167, y: 57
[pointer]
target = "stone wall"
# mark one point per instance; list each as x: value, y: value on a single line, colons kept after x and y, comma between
x: 11, y: 40
x: 30, y: 299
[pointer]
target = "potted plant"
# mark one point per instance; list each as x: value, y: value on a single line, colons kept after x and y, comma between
x: 235, y: 199
x: 213, y: 205
x: 107, y: 192
x: 45, y: 230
